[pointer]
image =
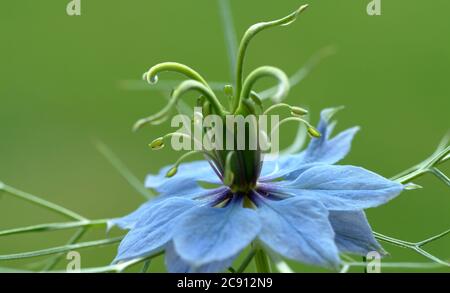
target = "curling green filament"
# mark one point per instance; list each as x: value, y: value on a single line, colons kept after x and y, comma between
x: 295, y: 111
x: 172, y: 171
x: 184, y: 87
x: 257, y: 100
x: 248, y: 36
x: 312, y: 131
x: 261, y: 72
x: 159, y: 143
x: 152, y: 74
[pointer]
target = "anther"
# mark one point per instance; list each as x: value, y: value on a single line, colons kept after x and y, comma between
x: 172, y: 172
x: 298, y: 111
x: 157, y: 144
x: 313, y: 132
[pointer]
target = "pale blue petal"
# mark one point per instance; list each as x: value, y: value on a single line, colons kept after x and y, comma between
x: 270, y: 169
x: 342, y: 187
x: 155, y: 228
x: 185, y: 182
x: 175, y: 264
x: 129, y: 221
x: 326, y: 127
x: 273, y: 170
x: 353, y: 232
x: 320, y: 150
x: 330, y: 151
x: 324, y: 149
x: 205, y: 196
x: 207, y: 235
x: 298, y: 229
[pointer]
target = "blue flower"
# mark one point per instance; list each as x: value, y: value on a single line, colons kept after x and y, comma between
x: 302, y: 208
x: 299, y: 207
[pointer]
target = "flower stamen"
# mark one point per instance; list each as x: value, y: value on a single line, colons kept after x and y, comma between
x: 312, y: 131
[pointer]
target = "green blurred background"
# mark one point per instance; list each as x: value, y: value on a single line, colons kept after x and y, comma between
x: 61, y: 90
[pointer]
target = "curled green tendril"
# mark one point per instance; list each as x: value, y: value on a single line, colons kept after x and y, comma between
x: 184, y: 87
x: 257, y: 100
x: 248, y: 36
x: 261, y: 72
x: 295, y: 110
x: 312, y: 131
x: 151, y: 76
x: 173, y: 171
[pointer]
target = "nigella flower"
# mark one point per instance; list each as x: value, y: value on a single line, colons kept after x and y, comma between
x: 299, y: 207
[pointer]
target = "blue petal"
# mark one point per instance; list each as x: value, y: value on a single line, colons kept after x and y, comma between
x: 298, y: 228
x: 155, y: 228
x: 175, y: 264
x: 202, y: 195
x: 324, y: 149
x: 129, y: 221
x: 319, y: 150
x: 185, y: 182
x: 275, y: 170
x: 353, y: 232
x: 270, y: 168
x: 207, y: 235
x: 330, y: 151
x: 342, y: 187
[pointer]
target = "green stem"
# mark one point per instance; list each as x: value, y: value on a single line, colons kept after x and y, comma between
x: 415, y: 246
x: 433, y: 238
x: 262, y: 262
x: 424, y: 167
x: 146, y: 266
x: 440, y: 175
x: 246, y: 261
x: 77, y: 236
x: 120, y: 267
x: 42, y: 202
x: 60, y: 249
x: 54, y: 227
